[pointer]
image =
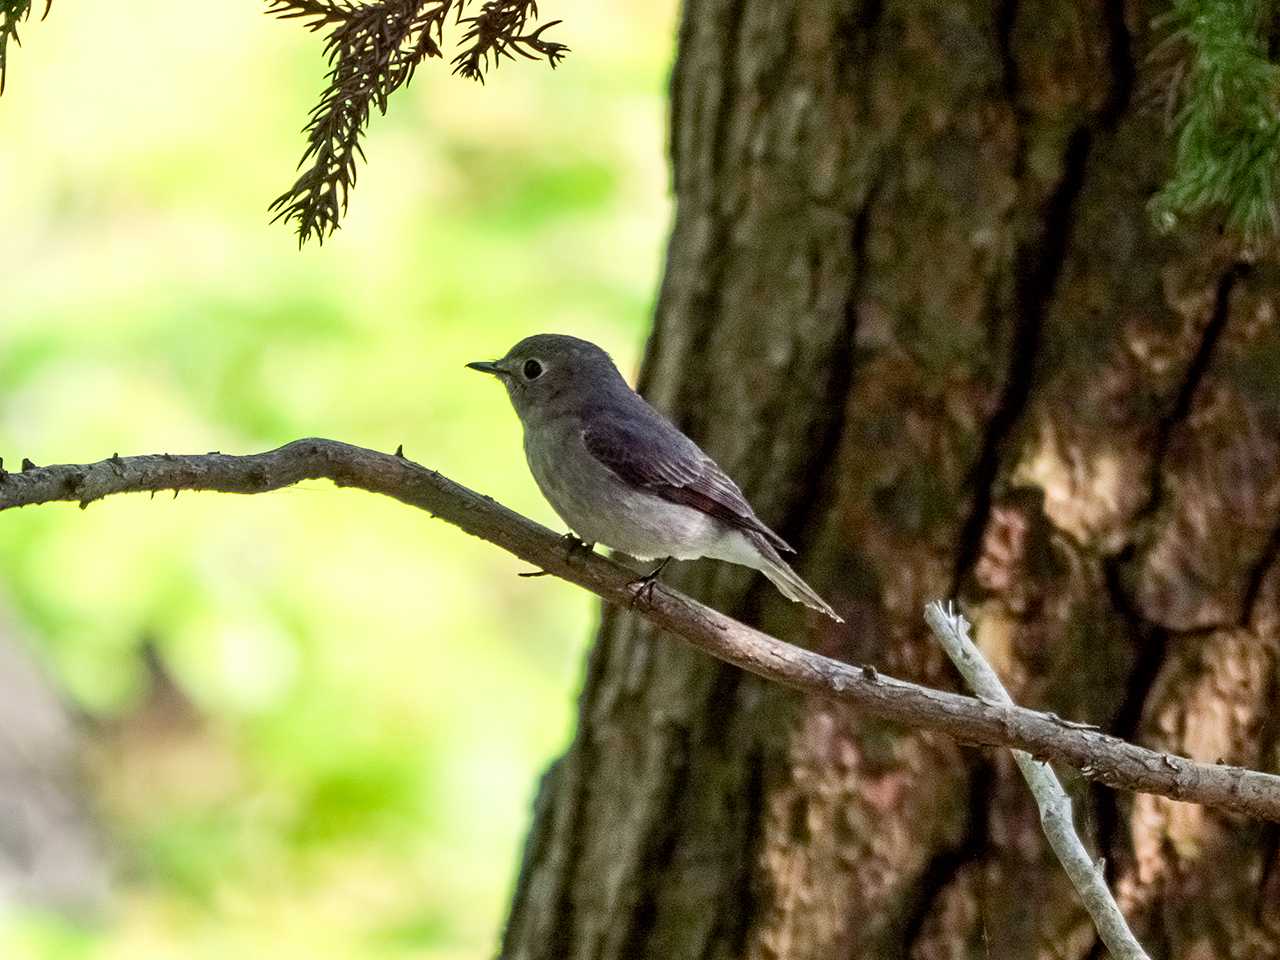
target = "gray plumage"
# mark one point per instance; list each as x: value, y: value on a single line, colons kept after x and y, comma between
x: 619, y: 473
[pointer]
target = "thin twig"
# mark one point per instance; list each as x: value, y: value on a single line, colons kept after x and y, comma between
x: 952, y: 631
x: 1098, y: 756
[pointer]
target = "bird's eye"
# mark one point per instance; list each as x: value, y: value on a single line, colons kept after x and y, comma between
x: 532, y: 369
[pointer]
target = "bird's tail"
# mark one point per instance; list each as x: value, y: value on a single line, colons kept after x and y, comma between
x: 788, y: 581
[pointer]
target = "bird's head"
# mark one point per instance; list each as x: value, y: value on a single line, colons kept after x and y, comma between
x: 550, y: 373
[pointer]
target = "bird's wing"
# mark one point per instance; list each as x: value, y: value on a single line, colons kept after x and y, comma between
x: 655, y: 456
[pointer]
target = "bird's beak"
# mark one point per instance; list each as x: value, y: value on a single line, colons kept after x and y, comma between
x: 487, y: 366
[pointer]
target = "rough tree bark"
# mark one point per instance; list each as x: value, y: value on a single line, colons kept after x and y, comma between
x: 914, y: 303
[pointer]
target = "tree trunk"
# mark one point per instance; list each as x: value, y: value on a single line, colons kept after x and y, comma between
x: 51, y: 852
x: 915, y: 305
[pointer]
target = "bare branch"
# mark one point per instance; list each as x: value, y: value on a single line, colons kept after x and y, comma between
x: 952, y: 631
x: 1098, y: 756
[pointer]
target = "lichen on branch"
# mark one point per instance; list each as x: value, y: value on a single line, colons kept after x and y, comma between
x: 373, y: 49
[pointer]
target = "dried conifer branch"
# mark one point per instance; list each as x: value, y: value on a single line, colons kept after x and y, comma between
x: 373, y: 49
x: 1098, y: 756
x: 952, y: 632
x: 11, y: 13
x: 497, y: 32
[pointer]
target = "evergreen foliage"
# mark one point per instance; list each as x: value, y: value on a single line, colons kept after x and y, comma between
x: 1221, y: 83
x: 1227, y: 117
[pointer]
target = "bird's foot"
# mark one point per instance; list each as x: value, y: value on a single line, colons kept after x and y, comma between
x: 573, y: 545
x: 644, y: 585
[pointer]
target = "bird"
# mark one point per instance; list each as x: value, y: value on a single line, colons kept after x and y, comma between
x: 619, y: 473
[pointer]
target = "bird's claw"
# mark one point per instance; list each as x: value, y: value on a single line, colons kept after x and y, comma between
x: 572, y: 545
x: 643, y: 588
x: 644, y: 585
x: 575, y: 544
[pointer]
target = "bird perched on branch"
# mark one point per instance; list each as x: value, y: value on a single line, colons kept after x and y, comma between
x: 619, y: 473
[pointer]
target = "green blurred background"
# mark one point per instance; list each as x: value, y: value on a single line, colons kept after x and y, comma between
x: 315, y: 719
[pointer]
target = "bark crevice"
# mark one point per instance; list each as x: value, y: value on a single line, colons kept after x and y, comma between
x: 946, y: 864
x: 830, y: 431
x: 1184, y: 398
x: 645, y: 874
x: 1149, y: 645
x: 734, y: 928
x: 1257, y: 576
x: 1120, y: 62
x: 1036, y: 268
